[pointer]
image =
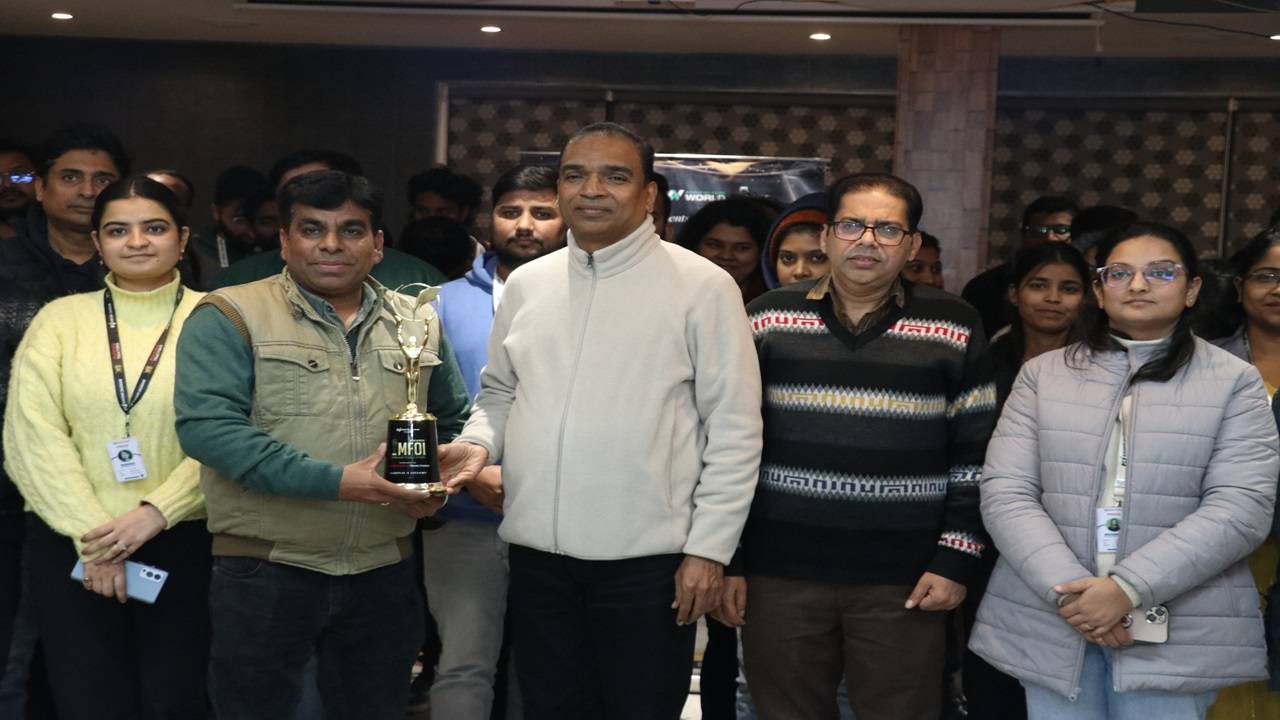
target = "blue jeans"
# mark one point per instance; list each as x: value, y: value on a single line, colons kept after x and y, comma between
x: 270, y: 620
x: 1098, y: 701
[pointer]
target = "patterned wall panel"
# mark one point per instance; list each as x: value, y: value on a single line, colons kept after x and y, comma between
x: 486, y: 136
x: 1166, y: 166
x: 1255, y: 175
x: 854, y: 138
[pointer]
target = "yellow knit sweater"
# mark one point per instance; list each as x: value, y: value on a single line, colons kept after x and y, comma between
x: 63, y: 411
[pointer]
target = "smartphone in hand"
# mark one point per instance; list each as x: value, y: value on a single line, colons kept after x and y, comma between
x: 141, y: 582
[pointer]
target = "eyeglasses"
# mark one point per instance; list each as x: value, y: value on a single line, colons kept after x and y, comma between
x: 1046, y: 229
x: 1265, y: 278
x: 1162, y: 272
x: 853, y: 230
x: 19, y: 178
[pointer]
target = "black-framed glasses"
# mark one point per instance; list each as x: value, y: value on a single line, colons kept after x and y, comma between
x: 853, y: 230
x: 1046, y: 229
x: 1161, y: 272
x: 19, y: 178
x: 1269, y: 279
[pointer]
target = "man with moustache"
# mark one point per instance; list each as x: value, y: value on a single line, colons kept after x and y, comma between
x: 865, y: 527
x: 622, y: 397
x: 466, y: 561
x: 284, y: 389
x: 17, y: 185
x: 52, y: 256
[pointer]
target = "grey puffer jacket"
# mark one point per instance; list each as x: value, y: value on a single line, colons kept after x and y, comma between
x: 1200, y: 495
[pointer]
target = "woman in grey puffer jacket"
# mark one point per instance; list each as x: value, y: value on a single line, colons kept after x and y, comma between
x: 1131, y: 472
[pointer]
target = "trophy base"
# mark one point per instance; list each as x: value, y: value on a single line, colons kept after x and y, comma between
x: 427, y: 488
x: 413, y: 458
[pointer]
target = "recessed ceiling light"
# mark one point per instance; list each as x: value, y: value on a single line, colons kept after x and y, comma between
x: 820, y: 36
x: 62, y: 16
x: 491, y: 29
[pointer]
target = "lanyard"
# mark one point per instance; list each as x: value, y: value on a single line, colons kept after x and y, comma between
x: 127, y: 401
x: 1121, y: 479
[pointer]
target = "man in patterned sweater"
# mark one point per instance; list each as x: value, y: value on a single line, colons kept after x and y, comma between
x: 878, y: 404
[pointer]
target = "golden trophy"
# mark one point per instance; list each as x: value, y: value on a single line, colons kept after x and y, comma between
x: 413, y: 456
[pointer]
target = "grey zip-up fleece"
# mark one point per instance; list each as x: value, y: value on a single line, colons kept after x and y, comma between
x: 622, y: 396
x: 1200, y: 492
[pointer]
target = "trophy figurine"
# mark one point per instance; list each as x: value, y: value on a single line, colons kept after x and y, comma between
x: 413, y: 458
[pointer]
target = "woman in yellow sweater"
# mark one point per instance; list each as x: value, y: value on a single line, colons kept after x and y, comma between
x: 90, y: 442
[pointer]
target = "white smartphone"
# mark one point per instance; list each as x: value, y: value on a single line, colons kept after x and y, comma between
x: 1148, y: 625
x: 141, y: 582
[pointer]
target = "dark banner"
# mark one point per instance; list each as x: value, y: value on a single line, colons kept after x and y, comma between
x: 696, y: 180
x: 699, y: 179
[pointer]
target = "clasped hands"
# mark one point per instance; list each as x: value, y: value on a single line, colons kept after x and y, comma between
x: 1095, y: 606
x: 110, y: 544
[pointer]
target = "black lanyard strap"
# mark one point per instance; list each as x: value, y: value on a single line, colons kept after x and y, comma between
x: 127, y: 401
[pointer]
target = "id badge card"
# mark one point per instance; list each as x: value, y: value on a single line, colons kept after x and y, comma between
x: 1107, y: 524
x: 126, y: 460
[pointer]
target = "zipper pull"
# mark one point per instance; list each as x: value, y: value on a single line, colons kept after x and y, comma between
x: 355, y: 370
x: 591, y: 260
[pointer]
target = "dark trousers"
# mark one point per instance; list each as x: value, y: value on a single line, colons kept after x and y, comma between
x: 802, y: 638
x: 110, y: 660
x: 597, y: 639
x: 11, y: 532
x: 270, y: 619
x: 718, y: 694
x: 24, y: 686
x: 991, y: 694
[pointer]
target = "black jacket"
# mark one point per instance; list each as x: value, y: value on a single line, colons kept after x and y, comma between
x: 31, y: 274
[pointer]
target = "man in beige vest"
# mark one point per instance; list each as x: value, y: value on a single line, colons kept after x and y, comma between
x: 286, y: 386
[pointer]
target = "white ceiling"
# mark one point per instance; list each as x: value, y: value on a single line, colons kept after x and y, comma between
x: 709, y: 26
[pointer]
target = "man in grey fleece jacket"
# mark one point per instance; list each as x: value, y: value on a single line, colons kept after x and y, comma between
x: 622, y: 396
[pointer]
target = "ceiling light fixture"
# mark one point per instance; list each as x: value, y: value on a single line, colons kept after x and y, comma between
x: 820, y: 36
x: 491, y: 29
x: 62, y: 16
x: 1275, y: 37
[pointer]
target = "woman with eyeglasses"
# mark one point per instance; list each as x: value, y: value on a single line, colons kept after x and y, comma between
x: 1255, y: 318
x: 1129, y: 477
x: 90, y: 442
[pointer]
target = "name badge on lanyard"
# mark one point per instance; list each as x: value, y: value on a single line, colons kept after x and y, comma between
x: 126, y: 456
x: 126, y: 460
x: 1107, y: 525
x: 1107, y: 520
